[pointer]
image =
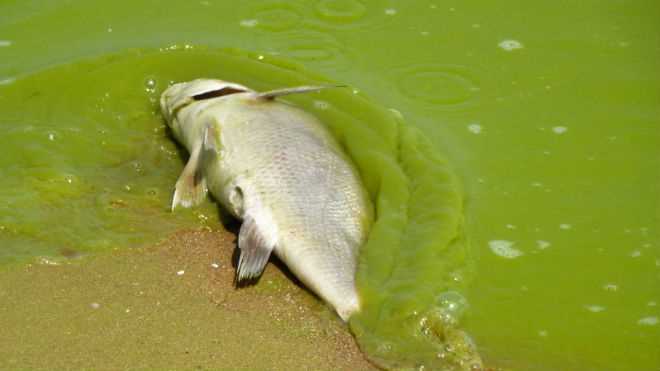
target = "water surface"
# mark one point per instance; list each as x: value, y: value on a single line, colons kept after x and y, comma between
x: 548, y: 113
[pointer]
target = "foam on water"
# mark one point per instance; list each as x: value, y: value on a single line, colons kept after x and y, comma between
x: 504, y: 249
x: 542, y: 245
x: 249, y: 23
x: 595, y: 308
x: 510, y: 45
x: 648, y: 321
x: 559, y: 129
x: 474, y: 128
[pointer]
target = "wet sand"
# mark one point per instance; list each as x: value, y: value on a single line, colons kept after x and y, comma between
x: 172, y: 306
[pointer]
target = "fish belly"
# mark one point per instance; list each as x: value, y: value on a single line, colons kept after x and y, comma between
x: 289, y: 170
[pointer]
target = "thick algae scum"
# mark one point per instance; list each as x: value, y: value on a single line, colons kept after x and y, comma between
x: 91, y: 167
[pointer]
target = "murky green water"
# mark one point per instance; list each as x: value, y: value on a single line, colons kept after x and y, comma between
x: 549, y: 113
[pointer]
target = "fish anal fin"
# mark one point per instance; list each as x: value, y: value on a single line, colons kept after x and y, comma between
x: 190, y: 189
x: 255, y: 248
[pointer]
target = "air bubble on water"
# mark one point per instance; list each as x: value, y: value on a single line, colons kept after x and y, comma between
x: 396, y: 113
x: 249, y: 23
x: 384, y: 347
x: 504, y: 249
x: 648, y: 321
x: 610, y: 287
x: 51, y: 136
x: 322, y: 105
x: 260, y: 57
x: 137, y: 166
x: 180, y: 273
x: 95, y: 305
x: 150, y: 85
x: 46, y: 261
x: 559, y: 129
x: 390, y: 11
x: 510, y: 45
x: 542, y: 245
x: 543, y: 333
x: 636, y: 254
x: 451, y: 306
x: 511, y: 226
x: 109, y: 29
x: 595, y: 308
x: 5, y: 43
x: 474, y: 128
x: 7, y: 81
x: 565, y: 226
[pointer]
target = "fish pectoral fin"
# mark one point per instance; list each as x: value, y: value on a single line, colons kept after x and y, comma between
x: 190, y: 189
x: 272, y: 94
x: 211, y: 141
x: 255, y: 249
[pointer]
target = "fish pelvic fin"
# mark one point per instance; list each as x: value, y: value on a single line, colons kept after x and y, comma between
x: 272, y: 94
x: 190, y: 189
x: 255, y: 250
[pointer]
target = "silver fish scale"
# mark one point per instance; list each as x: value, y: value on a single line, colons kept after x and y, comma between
x: 285, y: 160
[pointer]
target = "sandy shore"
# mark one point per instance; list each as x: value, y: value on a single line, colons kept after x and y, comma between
x: 171, y: 306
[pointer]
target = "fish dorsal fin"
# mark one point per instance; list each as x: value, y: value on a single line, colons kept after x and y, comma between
x: 255, y: 249
x: 272, y: 94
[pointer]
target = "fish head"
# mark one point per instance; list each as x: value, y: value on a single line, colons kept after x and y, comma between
x: 186, y: 94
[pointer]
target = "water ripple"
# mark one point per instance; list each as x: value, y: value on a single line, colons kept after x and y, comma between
x: 450, y: 86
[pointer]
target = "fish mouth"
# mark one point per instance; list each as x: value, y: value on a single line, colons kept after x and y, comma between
x: 183, y: 94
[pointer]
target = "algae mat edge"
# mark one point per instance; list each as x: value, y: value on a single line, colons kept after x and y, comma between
x: 419, y: 203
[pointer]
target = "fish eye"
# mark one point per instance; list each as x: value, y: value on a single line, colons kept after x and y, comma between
x: 217, y: 93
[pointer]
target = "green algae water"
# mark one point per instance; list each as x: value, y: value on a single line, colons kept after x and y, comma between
x: 549, y: 114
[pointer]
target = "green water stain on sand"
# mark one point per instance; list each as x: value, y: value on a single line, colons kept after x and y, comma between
x: 96, y: 123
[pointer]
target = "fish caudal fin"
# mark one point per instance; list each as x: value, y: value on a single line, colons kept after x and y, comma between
x: 272, y: 94
x: 255, y: 250
x: 190, y: 189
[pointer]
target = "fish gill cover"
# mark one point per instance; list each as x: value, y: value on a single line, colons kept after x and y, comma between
x: 411, y: 271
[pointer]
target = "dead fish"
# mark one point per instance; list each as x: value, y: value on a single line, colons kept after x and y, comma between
x: 279, y: 170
